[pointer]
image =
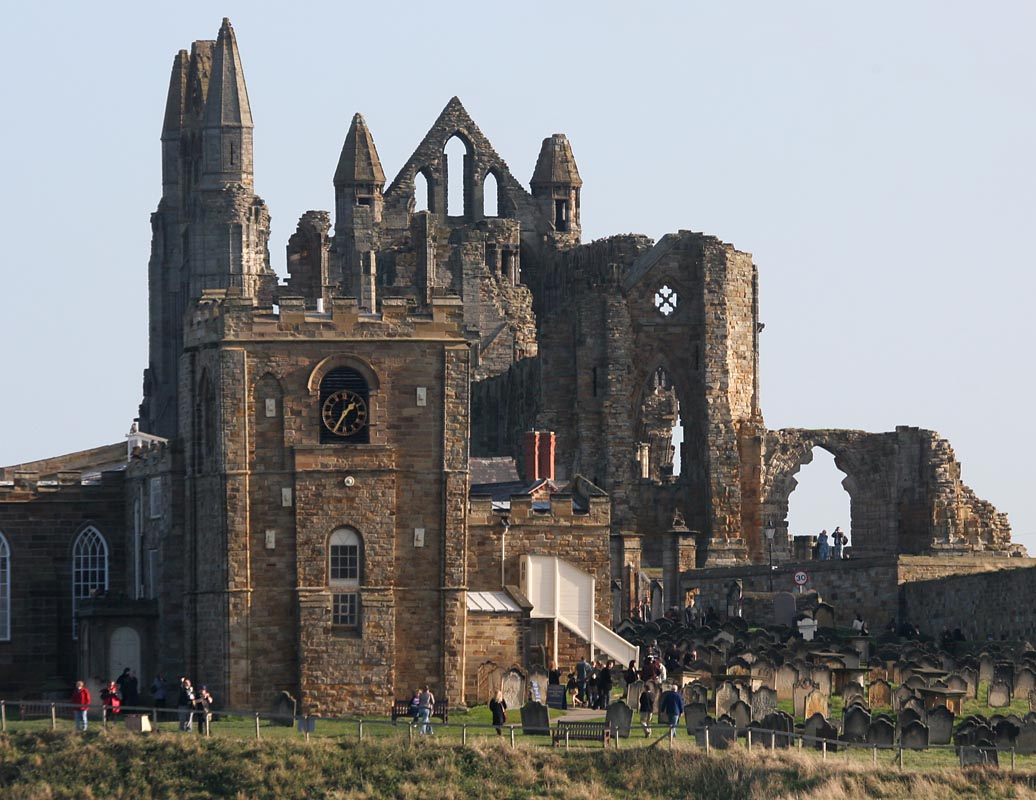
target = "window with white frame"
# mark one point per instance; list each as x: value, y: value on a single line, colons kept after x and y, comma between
x: 5, y: 590
x: 89, y: 570
x: 343, y: 576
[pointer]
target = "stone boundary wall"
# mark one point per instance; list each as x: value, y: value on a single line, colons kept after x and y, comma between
x: 998, y: 603
x: 874, y: 587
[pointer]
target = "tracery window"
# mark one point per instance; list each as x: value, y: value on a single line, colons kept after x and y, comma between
x: 89, y: 570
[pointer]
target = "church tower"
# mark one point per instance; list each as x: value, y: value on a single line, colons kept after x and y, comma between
x: 555, y: 185
x: 210, y: 230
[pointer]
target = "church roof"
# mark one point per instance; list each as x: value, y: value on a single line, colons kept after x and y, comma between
x: 359, y: 162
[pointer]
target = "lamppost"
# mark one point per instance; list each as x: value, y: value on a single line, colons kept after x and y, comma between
x: 770, y: 531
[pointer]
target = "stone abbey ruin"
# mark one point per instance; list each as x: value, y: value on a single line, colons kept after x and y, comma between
x: 362, y: 478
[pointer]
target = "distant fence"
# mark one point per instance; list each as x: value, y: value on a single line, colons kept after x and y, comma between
x: 28, y: 714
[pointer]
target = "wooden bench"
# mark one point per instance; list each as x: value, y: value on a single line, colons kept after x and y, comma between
x: 401, y: 708
x: 584, y: 731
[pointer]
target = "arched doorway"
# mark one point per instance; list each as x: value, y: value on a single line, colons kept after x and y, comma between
x: 819, y: 502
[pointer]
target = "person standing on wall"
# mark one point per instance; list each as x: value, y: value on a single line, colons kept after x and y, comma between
x: 823, y: 547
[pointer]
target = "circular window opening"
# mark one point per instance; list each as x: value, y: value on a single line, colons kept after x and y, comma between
x: 665, y: 300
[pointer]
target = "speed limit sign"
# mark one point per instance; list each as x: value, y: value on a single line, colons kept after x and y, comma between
x: 801, y: 577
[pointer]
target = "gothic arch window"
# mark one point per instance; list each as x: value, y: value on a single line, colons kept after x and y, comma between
x: 344, y: 407
x: 491, y: 195
x: 344, y: 569
x: 422, y: 192
x: 456, y: 159
x: 5, y: 590
x: 89, y: 570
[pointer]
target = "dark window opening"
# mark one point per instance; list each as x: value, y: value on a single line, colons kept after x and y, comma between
x: 561, y: 215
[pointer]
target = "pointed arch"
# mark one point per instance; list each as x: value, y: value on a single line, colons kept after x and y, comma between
x: 456, y: 161
x: 657, y: 415
x: 5, y: 589
x: 89, y: 570
x: 422, y: 191
x: 491, y: 195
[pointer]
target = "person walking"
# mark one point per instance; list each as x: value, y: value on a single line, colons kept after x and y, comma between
x: 159, y: 693
x: 185, y: 705
x: 647, y: 710
x: 498, y: 707
x: 425, y: 706
x: 672, y: 705
x: 81, y: 699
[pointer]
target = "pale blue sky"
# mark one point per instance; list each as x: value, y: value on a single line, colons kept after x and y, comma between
x: 877, y: 160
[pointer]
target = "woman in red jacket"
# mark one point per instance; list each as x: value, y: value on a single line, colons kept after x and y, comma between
x: 81, y: 699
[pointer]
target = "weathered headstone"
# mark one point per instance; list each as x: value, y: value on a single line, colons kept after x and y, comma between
x: 825, y: 616
x: 535, y: 719
x: 764, y: 701
x: 915, y: 705
x: 985, y: 668
x: 741, y: 713
x: 696, y: 693
x: 1024, y: 682
x: 914, y: 736
x: 971, y: 676
x: 619, y: 717
x: 816, y: 703
x: 850, y: 690
x: 1025, y: 742
x: 976, y: 756
x: 801, y: 689
x: 881, y: 732
x: 900, y: 696
x: 722, y: 734
x: 726, y: 695
x: 784, y: 610
x: 818, y: 727
x: 906, y: 716
x: 283, y: 710
x: 695, y: 715
x: 513, y: 687
x: 940, y: 725
x: 855, y: 722
x: 999, y: 695
x: 821, y: 676
x: 879, y: 694
x: 785, y: 681
x: 633, y: 692
x: 1006, y: 732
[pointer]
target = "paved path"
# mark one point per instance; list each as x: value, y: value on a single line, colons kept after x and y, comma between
x: 581, y: 714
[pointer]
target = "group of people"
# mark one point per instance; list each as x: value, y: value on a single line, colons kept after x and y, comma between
x: 123, y: 693
x: 832, y: 547
x: 422, y: 704
x: 589, y: 686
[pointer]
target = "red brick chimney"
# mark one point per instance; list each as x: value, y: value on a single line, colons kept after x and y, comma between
x: 538, y: 455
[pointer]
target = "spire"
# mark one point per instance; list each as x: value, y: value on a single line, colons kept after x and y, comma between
x: 359, y: 162
x: 226, y: 128
x: 227, y: 102
x: 175, y: 100
x: 556, y: 164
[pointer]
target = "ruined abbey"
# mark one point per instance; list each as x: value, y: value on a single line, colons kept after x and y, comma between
x: 436, y: 446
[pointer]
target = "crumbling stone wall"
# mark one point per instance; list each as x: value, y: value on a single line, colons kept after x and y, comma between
x: 905, y: 491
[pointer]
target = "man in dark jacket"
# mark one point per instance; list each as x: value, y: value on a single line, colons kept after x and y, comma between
x: 604, y: 685
x: 671, y: 704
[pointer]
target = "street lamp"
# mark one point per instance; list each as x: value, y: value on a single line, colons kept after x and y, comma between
x: 770, y: 531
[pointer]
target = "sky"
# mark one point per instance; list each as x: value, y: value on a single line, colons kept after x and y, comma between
x: 876, y: 159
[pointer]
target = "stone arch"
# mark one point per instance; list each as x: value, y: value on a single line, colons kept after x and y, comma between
x: 869, y: 479
x: 657, y: 408
x: 342, y: 360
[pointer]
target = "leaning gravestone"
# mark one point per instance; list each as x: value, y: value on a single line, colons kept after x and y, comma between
x: 633, y: 692
x: 914, y: 736
x: 513, y: 687
x: 764, y: 701
x: 816, y: 703
x: 535, y: 719
x: 283, y: 710
x: 940, y: 725
x: 881, y: 732
x: 999, y: 695
x: 879, y: 694
x: 619, y: 717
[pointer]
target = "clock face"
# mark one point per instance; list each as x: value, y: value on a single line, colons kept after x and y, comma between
x: 344, y: 413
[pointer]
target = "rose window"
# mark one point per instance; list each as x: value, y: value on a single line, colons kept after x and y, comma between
x: 665, y: 300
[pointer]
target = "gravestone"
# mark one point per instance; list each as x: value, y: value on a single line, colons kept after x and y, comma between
x: 1025, y: 742
x: 802, y: 688
x: 914, y: 736
x: 970, y: 675
x: 821, y: 676
x: 879, y: 694
x: 817, y: 727
x: 726, y: 695
x: 975, y: 756
x: 555, y: 695
x: 900, y: 696
x: 855, y: 722
x: 741, y: 714
x: 764, y: 701
x: 915, y: 705
x: 915, y: 682
x: 765, y: 672
x: 722, y: 734
x: 877, y: 673
x: 785, y: 680
x: 695, y: 715
x: 535, y: 719
x: 850, y: 690
x: 513, y: 687
x: 784, y: 610
x: 999, y: 695
x: 782, y: 725
x: 1003, y: 671
x: 633, y: 692
x: 816, y: 703
x: 1032, y: 701
x: 957, y: 683
x: 940, y: 725
x: 824, y: 616
x: 619, y: 717
x: 539, y: 676
x: 1024, y: 682
x: 985, y: 668
x: 1005, y: 733
x: 906, y: 716
x: 283, y: 710
x: 881, y: 732
x: 696, y: 692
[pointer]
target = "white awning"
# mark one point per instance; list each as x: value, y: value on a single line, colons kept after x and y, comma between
x: 496, y: 602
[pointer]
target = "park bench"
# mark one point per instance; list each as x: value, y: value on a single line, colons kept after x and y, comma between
x: 401, y: 708
x: 582, y: 730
